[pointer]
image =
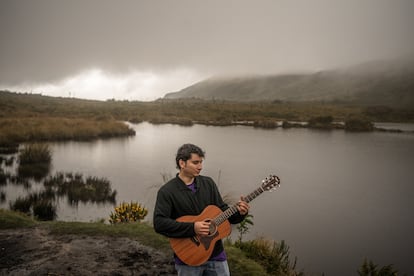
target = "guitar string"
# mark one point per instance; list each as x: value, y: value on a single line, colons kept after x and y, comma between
x: 233, y: 209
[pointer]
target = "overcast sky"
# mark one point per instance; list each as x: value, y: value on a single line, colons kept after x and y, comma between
x: 140, y: 50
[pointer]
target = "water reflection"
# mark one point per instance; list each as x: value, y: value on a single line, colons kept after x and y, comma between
x: 35, y: 171
x: 77, y: 188
x: 31, y: 167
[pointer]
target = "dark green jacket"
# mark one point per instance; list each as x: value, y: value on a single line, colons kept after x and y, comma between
x: 175, y: 200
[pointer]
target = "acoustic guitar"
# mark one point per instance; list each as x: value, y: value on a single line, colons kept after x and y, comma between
x: 196, y: 250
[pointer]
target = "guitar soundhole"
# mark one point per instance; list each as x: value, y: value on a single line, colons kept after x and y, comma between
x: 213, y: 227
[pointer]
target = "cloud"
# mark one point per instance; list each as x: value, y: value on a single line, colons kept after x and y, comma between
x: 56, y: 43
x: 102, y: 85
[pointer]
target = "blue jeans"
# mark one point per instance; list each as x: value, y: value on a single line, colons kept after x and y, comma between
x: 210, y: 268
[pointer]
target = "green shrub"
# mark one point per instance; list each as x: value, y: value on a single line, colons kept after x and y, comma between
x: 240, y: 265
x: 10, y: 219
x: 321, y: 122
x: 243, y: 227
x: 35, y: 161
x: 39, y: 204
x: 44, y: 210
x: 272, y: 255
x: 358, y: 124
x: 128, y: 212
x: 21, y: 204
x: 34, y: 154
x: 368, y: 268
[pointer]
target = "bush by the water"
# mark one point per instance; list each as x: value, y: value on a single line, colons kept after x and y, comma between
x: 324, y: 122
x: 369, y: 268
x: 358, y: 124
x: 35, y: 153
x: 273, y: 256
x: 40, y: 204
x: 35, y: 161
x: 128, y: 212
x: 21, y: 204
x: 44, y: 210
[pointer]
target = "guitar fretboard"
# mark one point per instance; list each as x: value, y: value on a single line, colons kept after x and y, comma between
x: 233, y: 209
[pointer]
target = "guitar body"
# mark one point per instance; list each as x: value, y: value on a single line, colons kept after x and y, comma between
x: 196, y: 250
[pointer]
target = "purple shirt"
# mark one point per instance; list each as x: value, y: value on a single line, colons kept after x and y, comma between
x: 192, y: 187
x: 219, y: 258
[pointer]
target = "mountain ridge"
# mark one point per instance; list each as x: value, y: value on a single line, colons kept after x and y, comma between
x: 371, y: 83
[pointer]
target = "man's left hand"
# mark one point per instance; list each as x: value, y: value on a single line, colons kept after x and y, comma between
x: 243, y: 206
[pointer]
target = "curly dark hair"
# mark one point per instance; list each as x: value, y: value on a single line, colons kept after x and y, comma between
x: 184, y: 153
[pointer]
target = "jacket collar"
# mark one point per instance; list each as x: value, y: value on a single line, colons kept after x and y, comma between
x: 183, y: 186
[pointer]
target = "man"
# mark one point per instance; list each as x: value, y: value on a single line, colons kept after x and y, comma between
x: 188, y: 194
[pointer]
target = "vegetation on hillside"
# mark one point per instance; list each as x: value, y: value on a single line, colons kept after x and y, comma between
x: 14, y: 105
x: 33, y: 117
x: 379, y: 83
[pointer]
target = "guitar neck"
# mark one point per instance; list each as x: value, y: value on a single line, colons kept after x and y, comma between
x: 233, y: 209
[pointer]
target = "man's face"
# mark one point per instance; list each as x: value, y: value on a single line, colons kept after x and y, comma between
x: 193, y: 166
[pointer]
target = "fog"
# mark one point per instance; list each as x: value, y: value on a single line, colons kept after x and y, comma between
x: 141, y: 50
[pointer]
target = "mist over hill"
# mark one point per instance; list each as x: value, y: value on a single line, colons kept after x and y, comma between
x: 388, y: 83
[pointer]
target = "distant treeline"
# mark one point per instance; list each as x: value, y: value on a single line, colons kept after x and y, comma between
x: 45, y: 117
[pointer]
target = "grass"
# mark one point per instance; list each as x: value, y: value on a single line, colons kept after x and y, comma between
x: 142, y: 232
x: 35, y: 153
x: 46, y: 128
x: 10, y: 220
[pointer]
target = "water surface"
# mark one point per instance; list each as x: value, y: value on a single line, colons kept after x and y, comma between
x: 344, y: 196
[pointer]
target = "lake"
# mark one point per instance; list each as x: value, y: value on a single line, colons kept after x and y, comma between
x: 343, y: 196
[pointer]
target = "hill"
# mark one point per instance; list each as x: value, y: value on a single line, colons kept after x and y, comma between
x: 372, y: 83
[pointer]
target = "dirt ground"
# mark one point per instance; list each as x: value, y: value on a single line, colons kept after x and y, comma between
x: 36, y: 252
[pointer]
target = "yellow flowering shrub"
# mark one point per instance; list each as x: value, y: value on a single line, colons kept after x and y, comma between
x: 128, y: 212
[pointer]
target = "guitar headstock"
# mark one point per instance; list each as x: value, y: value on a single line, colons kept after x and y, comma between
x: 271, y: 182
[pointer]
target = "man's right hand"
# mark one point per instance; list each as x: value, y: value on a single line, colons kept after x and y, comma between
x: 202, y: 228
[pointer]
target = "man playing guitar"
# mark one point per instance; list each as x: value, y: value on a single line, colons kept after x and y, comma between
x: 184, y: 210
